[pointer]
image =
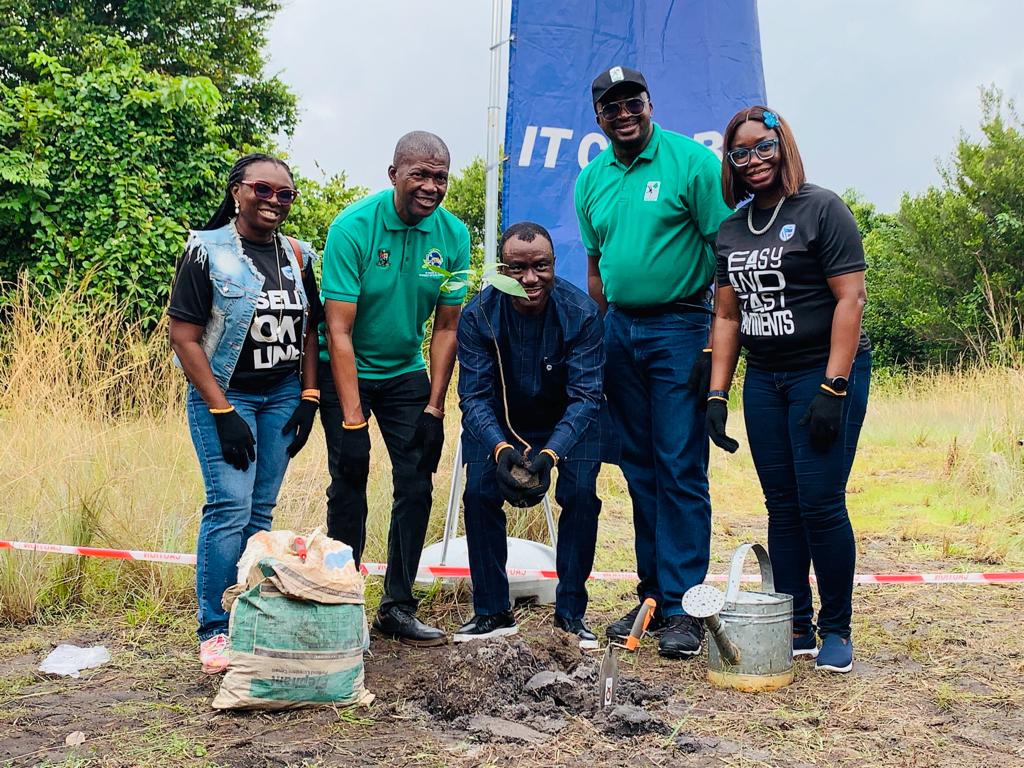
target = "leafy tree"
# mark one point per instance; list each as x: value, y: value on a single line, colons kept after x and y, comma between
x: 139, y: 155
x: 319, y: 202
x: 218, y: 39
x: 947, y: 275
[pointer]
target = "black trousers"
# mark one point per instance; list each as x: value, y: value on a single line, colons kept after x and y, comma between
x: 486, y: 535
x: 395, y: 404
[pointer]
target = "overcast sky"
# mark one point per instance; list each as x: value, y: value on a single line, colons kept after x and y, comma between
x: 876, y: 90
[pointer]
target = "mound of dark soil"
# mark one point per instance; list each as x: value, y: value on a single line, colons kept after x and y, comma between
x: 511, y: 691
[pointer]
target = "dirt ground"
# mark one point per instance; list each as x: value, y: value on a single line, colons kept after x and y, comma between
x: 939, y: 681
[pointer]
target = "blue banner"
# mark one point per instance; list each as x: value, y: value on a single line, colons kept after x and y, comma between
x: 702, y: 62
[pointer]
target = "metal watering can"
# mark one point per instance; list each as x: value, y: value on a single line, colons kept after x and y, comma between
x: 752, y: 631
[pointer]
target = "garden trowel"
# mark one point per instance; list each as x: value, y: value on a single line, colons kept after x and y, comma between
x: 608, y: 678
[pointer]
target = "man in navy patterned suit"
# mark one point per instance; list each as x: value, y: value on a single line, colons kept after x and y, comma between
x: 551, y: 350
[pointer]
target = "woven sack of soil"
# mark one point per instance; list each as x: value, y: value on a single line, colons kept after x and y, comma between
x: 289, y: 650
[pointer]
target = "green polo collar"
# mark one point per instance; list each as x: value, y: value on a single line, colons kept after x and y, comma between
x: 649, y: 150
x: 394, y: 222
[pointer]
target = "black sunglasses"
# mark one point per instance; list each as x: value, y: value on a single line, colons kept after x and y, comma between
x: 633, y: 106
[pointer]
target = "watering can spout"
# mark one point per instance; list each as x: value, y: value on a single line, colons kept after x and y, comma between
x: 704, y: 602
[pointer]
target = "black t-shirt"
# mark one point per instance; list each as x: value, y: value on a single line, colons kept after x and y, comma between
x: 272, y: 345
x: 780, y: 276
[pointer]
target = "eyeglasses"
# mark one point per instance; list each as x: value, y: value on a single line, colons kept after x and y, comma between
x: 265, y: 191
x: 633, y: 106
x: 518, y: 270
x: 765, y: 150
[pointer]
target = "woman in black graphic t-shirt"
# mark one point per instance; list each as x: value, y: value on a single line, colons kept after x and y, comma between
x: 243, y: 329
x: 790, y: 290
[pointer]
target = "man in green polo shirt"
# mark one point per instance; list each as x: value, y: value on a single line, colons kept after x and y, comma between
x: 649, y: 207
x: 379, y: 291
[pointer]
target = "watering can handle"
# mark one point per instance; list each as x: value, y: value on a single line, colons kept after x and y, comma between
x: 736, y: 570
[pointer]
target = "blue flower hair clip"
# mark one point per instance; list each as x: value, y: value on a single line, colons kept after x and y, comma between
x: 771, y: 120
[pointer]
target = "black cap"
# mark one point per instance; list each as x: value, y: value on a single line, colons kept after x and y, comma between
x: 614, y: 77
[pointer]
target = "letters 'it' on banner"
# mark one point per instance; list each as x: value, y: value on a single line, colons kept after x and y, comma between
x: 702, y: 61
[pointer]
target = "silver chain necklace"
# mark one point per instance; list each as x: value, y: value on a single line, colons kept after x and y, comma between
x: 750, y: 217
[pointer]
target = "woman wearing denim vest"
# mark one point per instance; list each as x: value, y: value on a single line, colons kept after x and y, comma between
x: 242, y: 329
x: 791, y: 292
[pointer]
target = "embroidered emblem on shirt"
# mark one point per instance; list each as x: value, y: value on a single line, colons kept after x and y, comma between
x: 433, y: 258
x: 787, y: 231
x: 383, y: 258
x: 651, y: 191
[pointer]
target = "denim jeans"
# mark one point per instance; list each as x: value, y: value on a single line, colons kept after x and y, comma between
x: 805, y: 490
x: 664, y: 447
x: 396, y: 404
x: 576, y: 494
x: 238, y: 503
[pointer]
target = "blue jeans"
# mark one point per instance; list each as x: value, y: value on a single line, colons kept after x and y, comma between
x: 664, y: 447
x: 576, y: 494
x: 805, y: 491
x: 238, y: 504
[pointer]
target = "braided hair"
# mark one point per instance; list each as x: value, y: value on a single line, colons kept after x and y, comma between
x: 226, y: 211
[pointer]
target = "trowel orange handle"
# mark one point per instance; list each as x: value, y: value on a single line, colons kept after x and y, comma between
x: 643, y: 619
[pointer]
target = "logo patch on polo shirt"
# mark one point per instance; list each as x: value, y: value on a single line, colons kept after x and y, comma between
x: 433, y: 258
x: 787, y: 232
x: 652, y: 191
x: 383, y: 257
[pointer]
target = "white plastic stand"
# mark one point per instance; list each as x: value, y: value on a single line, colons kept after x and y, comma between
x: 452, y: 549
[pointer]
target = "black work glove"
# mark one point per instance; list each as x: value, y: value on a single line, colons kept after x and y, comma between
x: 700, y: 377
x: 714, y: 420
x: 429, y: 438
x: 511, y: 489
x: 236, y: 440
x: 540, y: 468
x: 824, y: 415
x: 354, y: 453
x: 300, y: 424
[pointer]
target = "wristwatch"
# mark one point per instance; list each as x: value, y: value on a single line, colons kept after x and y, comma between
x: 837, y: 384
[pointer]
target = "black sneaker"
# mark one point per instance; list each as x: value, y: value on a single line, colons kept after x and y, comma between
x: 588, y: 640
x: 681, y: 637
x: 483, y: 627
x: 619, y: 630
x: 400, y: 623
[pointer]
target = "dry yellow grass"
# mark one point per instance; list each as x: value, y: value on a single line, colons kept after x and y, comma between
x: 95, y: 450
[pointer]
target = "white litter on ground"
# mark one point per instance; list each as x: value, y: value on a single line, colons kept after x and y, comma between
x: 69, y: 660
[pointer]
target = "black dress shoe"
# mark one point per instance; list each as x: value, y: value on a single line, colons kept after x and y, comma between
x: 619, y: 630
x: 400, y: 622
x: 681, y: 637
x: 483, y: 627
x: 588, y: 640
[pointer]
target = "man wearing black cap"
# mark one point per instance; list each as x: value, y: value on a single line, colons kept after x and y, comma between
x: 649, y: 207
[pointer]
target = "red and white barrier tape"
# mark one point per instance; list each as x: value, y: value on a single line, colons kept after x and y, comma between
x: 454, y: 572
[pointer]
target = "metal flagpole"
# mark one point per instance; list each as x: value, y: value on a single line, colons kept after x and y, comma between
x: 493, y: 136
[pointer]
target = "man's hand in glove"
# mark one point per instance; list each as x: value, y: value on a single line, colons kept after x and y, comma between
x: 511, y: 489
x: 301, y: 424
x: 354, y: 453
x: 428, y: 438
x: 825, y: 417
x: 540, y: 468
x: 700, y: 377
x: 714, y: 420
x: 236, y: 440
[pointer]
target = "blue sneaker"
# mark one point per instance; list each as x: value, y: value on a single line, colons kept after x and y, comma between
x: 805, y: 645
x: 836, y: 654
